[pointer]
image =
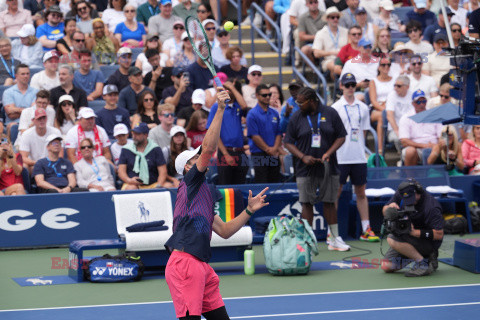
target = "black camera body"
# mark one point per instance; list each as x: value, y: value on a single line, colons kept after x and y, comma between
x: 398, y: 222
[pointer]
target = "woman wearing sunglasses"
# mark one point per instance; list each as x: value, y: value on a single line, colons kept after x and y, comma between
x: 130, y: 33
x: 147, y: 110
x: 453, y: 151
x: 84, y: 15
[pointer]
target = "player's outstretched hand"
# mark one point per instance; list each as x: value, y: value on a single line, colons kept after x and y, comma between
x: 258, y: 202
x: 222, y: 96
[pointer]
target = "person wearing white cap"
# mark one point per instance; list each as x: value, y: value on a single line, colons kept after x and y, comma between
x: 47, y: 79
x: 173, y: 45
x: 161, y: 24
x: 12, y: 19
x: 185, y: 8
x: 210, y: 27
x: 120, y: 77
x: 178, y: 144
x: 120, y: 133
x: 387, y: 19
x: 7, y: 69
x: 255, y: 78
x: 53, y: 173
x: 86, y: 128
x: 198, y: 102
x: 27, y: 49
x: 194, y: 220
x: 110, y: 115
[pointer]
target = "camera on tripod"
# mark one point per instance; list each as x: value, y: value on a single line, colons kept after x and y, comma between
x: 397, y: 221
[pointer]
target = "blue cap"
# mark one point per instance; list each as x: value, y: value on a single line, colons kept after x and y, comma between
x: 177, y: 71
x: 164, y: 2
x: 360, y: 10
x: 449, y: 12
x: 142, y: 127
x: 421, y: 4
x: 364, y: 42
x: 418, y: 94
x: 440, y: 36
x: 348, y: 78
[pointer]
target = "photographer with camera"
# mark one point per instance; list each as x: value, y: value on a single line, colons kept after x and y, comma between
x: 414, y: 221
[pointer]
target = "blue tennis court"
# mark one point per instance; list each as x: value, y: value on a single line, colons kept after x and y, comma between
x: 441, y: 302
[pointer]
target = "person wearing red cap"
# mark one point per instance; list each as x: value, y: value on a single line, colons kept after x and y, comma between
x: 32, y: 143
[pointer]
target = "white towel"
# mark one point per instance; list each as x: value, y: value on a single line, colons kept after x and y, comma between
x: 379, y: 192
x: 441, y: 189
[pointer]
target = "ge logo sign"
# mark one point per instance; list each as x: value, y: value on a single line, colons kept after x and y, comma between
x: 14, y: 220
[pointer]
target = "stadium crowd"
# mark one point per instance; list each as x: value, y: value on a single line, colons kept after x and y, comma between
x: 102, y: 95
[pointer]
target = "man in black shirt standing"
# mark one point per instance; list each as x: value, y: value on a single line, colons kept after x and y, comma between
x: 314, y: 134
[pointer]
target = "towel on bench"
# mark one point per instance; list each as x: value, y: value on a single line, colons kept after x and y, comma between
x: 148, y: 226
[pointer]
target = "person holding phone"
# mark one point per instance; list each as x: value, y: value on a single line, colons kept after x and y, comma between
x: 11, y: 166
x: 180, y: 94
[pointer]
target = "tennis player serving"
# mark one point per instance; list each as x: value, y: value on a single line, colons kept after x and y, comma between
x: 192, y: 282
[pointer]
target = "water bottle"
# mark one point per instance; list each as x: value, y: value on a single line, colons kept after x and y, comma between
x: 249, y: 261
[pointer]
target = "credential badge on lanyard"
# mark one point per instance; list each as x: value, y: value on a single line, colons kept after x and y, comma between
x: 316, y: 137
x: 354, y: 132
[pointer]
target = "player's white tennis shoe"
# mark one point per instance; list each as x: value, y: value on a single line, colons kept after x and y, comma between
x: 337, y: 243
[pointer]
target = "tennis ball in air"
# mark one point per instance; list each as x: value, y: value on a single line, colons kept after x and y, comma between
x: 228, y: 26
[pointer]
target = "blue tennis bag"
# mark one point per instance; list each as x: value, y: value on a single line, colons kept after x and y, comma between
x: 114, y: 269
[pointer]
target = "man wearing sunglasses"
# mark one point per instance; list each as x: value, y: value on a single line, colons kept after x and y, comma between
x: 416, y: 44
x: 415, y: 137
x: 418, y: 80
x: 53, y: 30
x: 111, y: 115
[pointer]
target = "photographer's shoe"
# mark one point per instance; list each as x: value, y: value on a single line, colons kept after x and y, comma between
x: 338, y: 244
x: 369, y: 236
x: 420, y: 269
x: 433, y: 260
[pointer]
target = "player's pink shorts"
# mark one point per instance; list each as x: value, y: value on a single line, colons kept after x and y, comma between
x: 193, y: 285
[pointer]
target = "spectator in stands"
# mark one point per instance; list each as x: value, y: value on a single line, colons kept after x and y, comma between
x: 254, y: 80
x: 282, y: 7
x: 329, y: 40
x: 196, y: 129
x: 474, y: 25
x: 348, y: 18
x: 91, y: 81
x: 289, y: 24
x: 456, y: 34
x: 129, y: 95
x: 185, y: 8
x: 84, y: 16
x: 471, y: 151
x: 291, y: 106
x: 204, y: 10
x: 362, y: 21
x: 27, y: 49
x: 178, y: 144
x: 350, y: 50
x: 73, y: 57
x: 387, y: 19
x: 147, y: 10
x: 400, y: 60
x: 147, y: 111
x: 120, y: 133
x: 33, y: 6
x: 421, y: 14
x: 33, y: 141
x: 399, y: 102
x: 471, y: 5
x: 104, y: 46
x: 235, y: 69
x: 161, y: 134
x: 65, y: 75
x: 47, y: 79
x: 172, y: 46
x: 111, y: 114
x: 440, y: 152
x: 65, y: 44
x: 264, y: 138
x: 186, y: 56
x: 66, y: 115
x: 200, y: 76
x: 276, y: 100
x: 160, y: 77
x: 303, y: 141
x: 180, y: 94
x: 210, y: 26
x: 161, y: 24
x: 18, y: 97
x: 93, y: 173
x: 442, y: 98
x: 382, y: 45
x: 41, y: 101
x: 416, y: 44
x: 438, y: 27
x: 54, y: 174
x: 460, y: 14
x: 418, y: 80
x: 142, y: 62
x: 39, y: 17
x: 231, y: 152
x: 352, y: 162
x: 114, y: 14
x: 309, y: 24
x: 76, y: 11
x: 12, y: 19
x: 120, y: 77
x: 130, y: 33
x: 417, y: 136
x: 11, y: 166
x: 7, y: 69
x: 219, y: 52
x: 53, y: 30
x: 438, y: 63
x: 340, y: 4
x: 198, y: 103
x: 86, y: 128
x: 379, y: 89
x: 141, y: 164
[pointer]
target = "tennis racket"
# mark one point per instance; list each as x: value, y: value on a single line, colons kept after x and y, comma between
x: 201, y: 45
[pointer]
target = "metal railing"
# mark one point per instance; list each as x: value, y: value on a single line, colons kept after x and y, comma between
x: 321, y: 82
x: 276, y: 47
x: 237, y: 4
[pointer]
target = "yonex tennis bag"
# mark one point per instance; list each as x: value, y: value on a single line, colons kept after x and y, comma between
x: 114, y: 269
x: 288, y: 246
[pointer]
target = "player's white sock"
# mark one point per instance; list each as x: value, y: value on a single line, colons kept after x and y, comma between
x: 334, y: 230
x: 365, y: 225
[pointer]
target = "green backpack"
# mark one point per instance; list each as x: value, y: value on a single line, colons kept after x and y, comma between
x: 288, y: 246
